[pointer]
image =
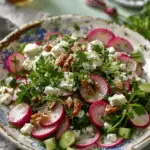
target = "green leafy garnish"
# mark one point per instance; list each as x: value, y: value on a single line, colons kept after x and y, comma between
x: 145, y: 87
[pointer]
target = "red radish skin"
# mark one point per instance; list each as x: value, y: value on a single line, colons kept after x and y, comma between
x: 57, y: 113
x: 43, y: 132
x: 10, y: 64
x: 131, y: 64
x: 104, y: 35
x: 95, y: 3
x: 121, y: 44
x: 86, y: 141
x: 109, y: 145
x: 96, y: 111
x: 140, y: 121
x: 21, y: 80
x: 127, y: 85
x: 20, y: 114
x: 49, y: 34
x: 63, y: 126
x: 103, y: 89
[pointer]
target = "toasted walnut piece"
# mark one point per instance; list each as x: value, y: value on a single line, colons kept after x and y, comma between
x: 118, y: 84
x: 67, y: 64
x: 91, y: 88
x: 61, y: 59
x: 47, y: 48
x: 38, y: 118
x: 77, y: 105
x: 111, y: 109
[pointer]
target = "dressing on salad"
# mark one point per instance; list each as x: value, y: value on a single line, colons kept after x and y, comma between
x: 74, y: 93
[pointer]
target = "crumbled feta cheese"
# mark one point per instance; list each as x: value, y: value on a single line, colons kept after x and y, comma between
x: 107, y: 125
x: 80, y: 114
x: 95, y: 42
x: 73, y: 37
x: 5, y: 98
x: 68, y: 82
x: 59, y: 49
x: 6, y: 90
x: 77, y: 133
x: 31, y: 49
x: 27, y: 128
x: 93, y: 62
x: 51, y: 90
x: 111, y: 50
x: 117, y: 99
x: 8, y: 80
x: 123, y: 76
x: 27, y: 64
x: 89, y: 129
x: 138, y: 79
x: 112, y: 137
x: 122, y: 66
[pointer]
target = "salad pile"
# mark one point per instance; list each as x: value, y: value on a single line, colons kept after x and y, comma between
x: 77, y: 92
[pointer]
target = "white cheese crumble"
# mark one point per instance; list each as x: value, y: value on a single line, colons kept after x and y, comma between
x: 68, y: 82
x: 59, y: 49
x: 117, y: 99
x: 138, y: 79
x: 112, y: 137
x: 4, y: 89
x: 122, y: 67
x: 80, y: 114
x: 5, y: 98
x: 27, y: 64
x: 51, y: 90
x: 8, y: 80
x: 95, y: 42
x: 111, y: 50
x: 27, y: 128
x: 93, y: 61
x: 31, y: 49
x: 107, y: 125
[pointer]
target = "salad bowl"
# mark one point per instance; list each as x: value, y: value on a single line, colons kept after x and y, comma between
x: 79, y: 26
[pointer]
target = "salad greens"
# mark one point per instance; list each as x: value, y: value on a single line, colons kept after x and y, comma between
x: 100, y: 91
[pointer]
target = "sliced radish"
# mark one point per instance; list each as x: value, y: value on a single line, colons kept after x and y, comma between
x: 21, y: 80
x: 141, y: 121
x: 56, y: 115
x: 104, y: 35
x: 14, y: 62
x: 96, y: 111
x: 108, y: 144
x: 127, y: 85
x: 49, y: 34
x: 131, y: 65
x: 86, y: 140
x: 64, y: 125
x: 103, y: 89
x: 20, y: 114
x: 121, y: 44
x: 44, y: 132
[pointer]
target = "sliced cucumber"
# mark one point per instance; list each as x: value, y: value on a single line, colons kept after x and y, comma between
x: 50, y: 144
x: 67, y: 139
x: 70, y: 148
x: 137, y: 56
x: 125, y: 133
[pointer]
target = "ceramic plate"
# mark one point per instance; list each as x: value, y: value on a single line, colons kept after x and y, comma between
x: 132, y: 3
x: 78, y: 25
